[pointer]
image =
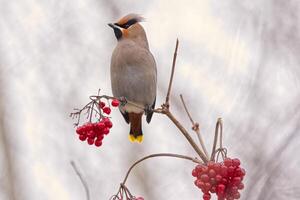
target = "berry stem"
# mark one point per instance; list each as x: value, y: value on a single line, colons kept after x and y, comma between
x: 219, y: 126
x: 158, y: 155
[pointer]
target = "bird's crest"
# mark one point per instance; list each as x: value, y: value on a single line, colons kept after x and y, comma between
x: 131, y: 19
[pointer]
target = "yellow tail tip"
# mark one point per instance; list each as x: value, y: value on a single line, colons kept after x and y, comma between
x: 138, y: 139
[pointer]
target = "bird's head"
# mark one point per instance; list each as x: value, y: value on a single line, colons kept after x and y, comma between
x: 128, y: 27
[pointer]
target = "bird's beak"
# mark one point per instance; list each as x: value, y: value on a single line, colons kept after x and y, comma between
x: 111, y: 25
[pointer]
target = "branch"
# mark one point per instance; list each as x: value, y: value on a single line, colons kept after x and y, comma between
x: 159, y: 155
x: 219, y: 125
x: 84, y: 183
x: 172, y: 74
x: 195, y: 127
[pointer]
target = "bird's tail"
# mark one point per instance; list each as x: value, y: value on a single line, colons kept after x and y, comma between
x: 136, y: 133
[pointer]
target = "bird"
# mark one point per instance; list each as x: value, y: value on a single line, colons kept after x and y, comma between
x: 133, y: 73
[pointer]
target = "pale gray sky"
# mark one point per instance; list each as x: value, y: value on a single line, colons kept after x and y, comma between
x: 236, y: 60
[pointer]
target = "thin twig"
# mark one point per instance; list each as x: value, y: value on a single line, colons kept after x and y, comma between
x: 159, y: 155
x: 84, y: 183
x: 172, y: 74
x: 219, y: 125
x: 195, y: 127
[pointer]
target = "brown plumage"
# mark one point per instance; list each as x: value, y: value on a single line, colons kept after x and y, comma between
x: 133, y: 73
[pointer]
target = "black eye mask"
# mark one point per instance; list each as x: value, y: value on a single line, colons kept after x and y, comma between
x: 127, y: 24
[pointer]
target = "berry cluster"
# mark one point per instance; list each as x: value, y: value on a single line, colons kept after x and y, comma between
x: 94, y: 133
x: 224, y: 179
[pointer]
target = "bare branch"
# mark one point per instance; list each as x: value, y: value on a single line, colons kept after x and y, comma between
x: 159, y: 155
x: 84, y: 183
x: 195, y: 127
x: 172, y: 74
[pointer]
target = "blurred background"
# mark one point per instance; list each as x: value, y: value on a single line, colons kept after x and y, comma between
x: 238, y: 60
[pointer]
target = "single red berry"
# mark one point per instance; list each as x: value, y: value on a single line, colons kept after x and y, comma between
x: 91, y: 134
x: 206, y: 196
x: 207, y: 186
x: 106, y: 131
x: 236, y: 162
x: 204, y: 178
x: 212, y: 181
x: 100, y: 125
x: 218, y: 177
x: 236, y: 180
x: 115, y: 103
x: 241, y: 186
x: 100, y: 137
x: 213, y: 189
x: 230, y: 170
x: 90, y: 141
x: 211, y: 173
x: 224, y: 181
x: 101, y: 104
x: 98, y: 142
x: 194, y: 173
x: 88, y: 126
x: 221, y: 188
x: 82, y: 137
x: 139, y: 198
x: 199, y: 184
x: 79, y: 130
x: 237, y: 195
x: 210, y: 164
x: 228, y: 162
x: 108, y: 123
x: 223, y: 171
x: 107, y: 110
x: 217, y: 167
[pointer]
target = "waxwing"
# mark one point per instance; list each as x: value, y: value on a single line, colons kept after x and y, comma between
x: 133, y: 73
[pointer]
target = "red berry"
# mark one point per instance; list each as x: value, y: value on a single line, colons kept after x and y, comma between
x: 241, y: 186
x: 139, y: 198
x: 98, y: 143
x: 221, y: 188
x: 210, y: 164
x: 101, y: 104
x: 199, y: 184
x: 194, y: 173
x: 218, y: 178
x: 223, y: 170
x: 79, y: 130
x: 228, y: 162
x: 115, y: 103
x: 107, y: 110
x: 108, y: 123
x: 236, y: 162
x: 236, y: 180
x: 207, y: 186
x: 91, y: 134
x: 237, y: 195
x: 100, y: 125
x: 100, y: 137
x: 206, y: 196
x: 82, y: 137
x: 106, y: 131
x: 211, y: 173
x: 204, y: 178
x: 90, y: 141
x: 213, y: 189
